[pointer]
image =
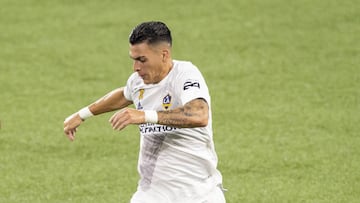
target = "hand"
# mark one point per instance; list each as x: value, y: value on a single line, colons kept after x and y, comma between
x: 70, y: 125
x: 125, y: 117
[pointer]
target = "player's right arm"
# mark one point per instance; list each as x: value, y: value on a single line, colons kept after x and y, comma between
x: 112, y: 101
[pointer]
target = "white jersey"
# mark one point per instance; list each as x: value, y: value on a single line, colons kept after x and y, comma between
x: 176, y: 164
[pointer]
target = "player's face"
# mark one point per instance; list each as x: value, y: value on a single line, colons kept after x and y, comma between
x: 148, y: 62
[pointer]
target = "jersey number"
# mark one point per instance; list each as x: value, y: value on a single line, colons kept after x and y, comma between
x: 189, y: 84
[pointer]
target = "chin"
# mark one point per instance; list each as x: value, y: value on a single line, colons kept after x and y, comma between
x: 146, y: 82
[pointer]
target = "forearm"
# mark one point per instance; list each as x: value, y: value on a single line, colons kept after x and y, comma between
x: 193, y: 114
x: 114, y: 100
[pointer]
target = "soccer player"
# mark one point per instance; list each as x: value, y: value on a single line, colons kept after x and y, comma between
x: 177, y: 159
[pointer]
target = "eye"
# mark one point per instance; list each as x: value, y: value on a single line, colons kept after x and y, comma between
x: 142, y: 60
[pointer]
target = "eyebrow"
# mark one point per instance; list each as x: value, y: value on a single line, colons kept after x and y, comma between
x: 139, y: 58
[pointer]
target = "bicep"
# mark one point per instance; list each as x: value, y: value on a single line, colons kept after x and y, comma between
x: 120, y: 100
x: 112, y: 101
x: 198, y: 107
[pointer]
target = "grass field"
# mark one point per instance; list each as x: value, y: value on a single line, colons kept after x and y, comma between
x: 284, y: 78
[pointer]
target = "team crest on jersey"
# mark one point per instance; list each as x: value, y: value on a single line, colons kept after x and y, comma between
x: 167, y: 102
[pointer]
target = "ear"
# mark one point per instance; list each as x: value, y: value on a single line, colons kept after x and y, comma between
x: 165, y: 54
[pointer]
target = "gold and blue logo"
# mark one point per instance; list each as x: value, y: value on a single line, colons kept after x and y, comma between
x: 167, y: 102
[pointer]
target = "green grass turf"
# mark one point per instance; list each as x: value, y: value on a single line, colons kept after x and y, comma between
x: 284, y: 77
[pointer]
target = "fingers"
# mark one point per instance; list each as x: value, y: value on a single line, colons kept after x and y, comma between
x: 126, y: 117
x: 120, y: 120
x: 70, y: 126
x: 112, y: 117
x: 70, y: 133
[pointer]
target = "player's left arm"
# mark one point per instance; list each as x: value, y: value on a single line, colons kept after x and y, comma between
x: 194, y: 113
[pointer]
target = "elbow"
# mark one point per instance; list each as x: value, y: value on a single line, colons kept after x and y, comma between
x: 201, y: 121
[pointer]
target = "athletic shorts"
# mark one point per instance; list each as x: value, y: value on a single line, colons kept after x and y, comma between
x: 215, y: 196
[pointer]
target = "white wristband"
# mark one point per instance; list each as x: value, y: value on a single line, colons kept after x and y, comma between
x: 151, y: 116
x: 85, y: 113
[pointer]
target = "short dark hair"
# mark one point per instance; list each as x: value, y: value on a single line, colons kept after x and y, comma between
x: 150, y: 32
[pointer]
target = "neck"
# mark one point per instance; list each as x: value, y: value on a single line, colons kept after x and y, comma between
x: 168, y: 66
x: 167, y: 69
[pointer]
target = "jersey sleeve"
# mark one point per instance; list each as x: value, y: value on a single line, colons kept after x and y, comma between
x: 193, y: 85
x: 128, y: 88
x: 127, y: 94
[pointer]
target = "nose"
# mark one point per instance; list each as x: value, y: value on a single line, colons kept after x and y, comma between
x: 136, y: 66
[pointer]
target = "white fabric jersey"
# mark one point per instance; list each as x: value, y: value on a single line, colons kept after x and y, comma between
x: 175, y: 164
